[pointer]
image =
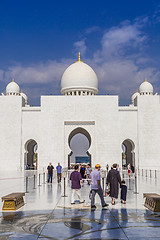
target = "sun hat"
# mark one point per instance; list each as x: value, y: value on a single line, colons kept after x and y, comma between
x: 98, y: 166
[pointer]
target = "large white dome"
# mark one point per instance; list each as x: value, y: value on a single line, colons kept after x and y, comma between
x: 146, y: 88
x: 12, y: 88
x: 79, y: 79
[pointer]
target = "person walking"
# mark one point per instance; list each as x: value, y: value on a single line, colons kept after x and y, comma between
x: 107, y: 167
x: 123, y: 192
x: 59, y: 171
x: 82, y: 171
x: 76, y: 179
x: 96, y: 187
x: 88, y: 173
x: 114, y: 179
x: 50, y: 172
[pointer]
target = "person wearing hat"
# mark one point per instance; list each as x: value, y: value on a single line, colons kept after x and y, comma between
x: 96, y: 187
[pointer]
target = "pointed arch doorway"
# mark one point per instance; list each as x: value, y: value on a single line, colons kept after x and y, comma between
x: 128, y: 153
x: 79, y: 142
x: 31, y: 155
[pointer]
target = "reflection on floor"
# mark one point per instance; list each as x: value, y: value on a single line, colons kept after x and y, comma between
x: 82, y: 224
x: 47, y: 215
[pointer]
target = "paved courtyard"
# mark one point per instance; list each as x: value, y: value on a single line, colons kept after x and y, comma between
x: 48, y: 215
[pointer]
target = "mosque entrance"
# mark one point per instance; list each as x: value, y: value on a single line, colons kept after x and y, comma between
x: 79, y: 142
x: 128, y: 154
x: 31, y: 155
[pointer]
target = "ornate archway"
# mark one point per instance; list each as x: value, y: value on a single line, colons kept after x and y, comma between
x: 79, y: 131
x: 128, y: 154
x: 31, y: 155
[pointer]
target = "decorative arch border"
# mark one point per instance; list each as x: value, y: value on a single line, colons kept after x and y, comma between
x: 132, y: 150
x: 77, y: 131
x: 131, y: 142
x: 71, y: 128
x: 28, y: 141
x: 26, y: 151
x: 72, y: 134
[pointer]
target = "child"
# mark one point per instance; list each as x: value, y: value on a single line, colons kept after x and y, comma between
x: 123, y: 192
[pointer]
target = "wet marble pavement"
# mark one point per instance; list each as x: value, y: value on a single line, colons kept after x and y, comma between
x: 82, y: 224
x: 48, y: 215
x: 102, y: 224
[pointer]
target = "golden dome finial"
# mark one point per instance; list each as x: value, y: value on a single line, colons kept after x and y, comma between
x: 12, y: 79
x: 79, y: 57
x: 145, y: 79
x: 21, y: 91
x: 137, y: 91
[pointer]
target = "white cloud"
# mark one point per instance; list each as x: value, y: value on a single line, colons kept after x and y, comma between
x: 92, y: 29
x: 117, y: 40
x: 121, y: 64
x: 80, y: 46
x: 123, y: 77
x: 156, y: 15
x: 38, y: 73
x: 38, y: 79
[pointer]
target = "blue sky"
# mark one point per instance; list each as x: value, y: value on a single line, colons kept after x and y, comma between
x: 119, y: 39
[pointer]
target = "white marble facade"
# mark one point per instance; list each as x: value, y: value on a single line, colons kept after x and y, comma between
x: 79, y: 110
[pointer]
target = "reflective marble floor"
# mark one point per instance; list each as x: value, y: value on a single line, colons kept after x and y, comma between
x: 48, y: 215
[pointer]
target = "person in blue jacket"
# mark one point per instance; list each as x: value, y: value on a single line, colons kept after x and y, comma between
x: 59, y: 171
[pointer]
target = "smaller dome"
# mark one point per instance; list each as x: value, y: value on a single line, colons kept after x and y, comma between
x: 24, y: 96
x: 12, y: 89
x: 146, y: 88
x: 134, y: 96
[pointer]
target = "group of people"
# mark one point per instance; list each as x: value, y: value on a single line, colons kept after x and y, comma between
x: 93, y: 178
x: 85, y: 172
x: 50, y: 169
x: 113, y: 180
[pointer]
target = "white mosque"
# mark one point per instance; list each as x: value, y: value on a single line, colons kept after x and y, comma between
x: 35, y: 136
